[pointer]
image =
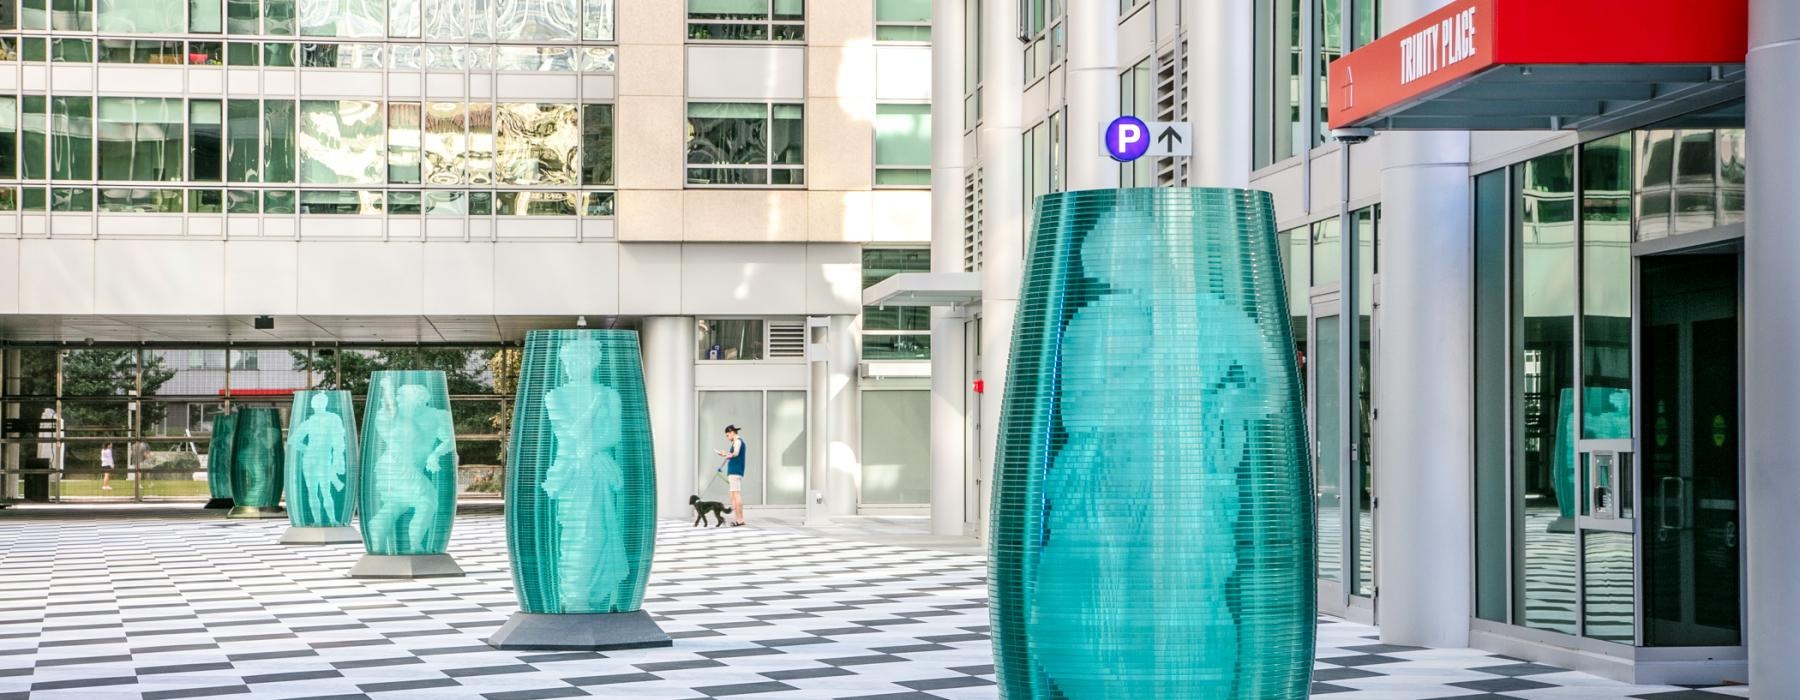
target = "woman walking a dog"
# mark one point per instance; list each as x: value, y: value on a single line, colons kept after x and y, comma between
x: 734, y: 472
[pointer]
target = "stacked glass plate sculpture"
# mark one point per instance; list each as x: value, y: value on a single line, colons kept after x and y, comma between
x: 581, y: 475
x: 407, y: 489
x: 218, y: 460
x: 322, y: 460
x: 256, y: 462
x: 1151, y: 509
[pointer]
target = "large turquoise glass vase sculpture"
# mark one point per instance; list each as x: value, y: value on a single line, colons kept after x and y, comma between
x: 581, y: 494
x: 218, y: 461
x: 1152, y: 528
x: 407, y: 490
x: 256, y: 464
x: 322, y: 466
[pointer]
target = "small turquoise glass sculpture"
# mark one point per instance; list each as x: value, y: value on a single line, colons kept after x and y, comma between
x: 256, y: 463
x: 218, y: 461
x: 1152, y: 521
x: 322, y: 467
x: 407, y: 490
x: 581, y: 475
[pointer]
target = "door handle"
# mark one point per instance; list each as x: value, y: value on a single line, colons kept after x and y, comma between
x: 1672, y: 506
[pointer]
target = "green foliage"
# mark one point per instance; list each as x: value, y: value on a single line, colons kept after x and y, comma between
x: 109, y: 372
x: 465, y: 370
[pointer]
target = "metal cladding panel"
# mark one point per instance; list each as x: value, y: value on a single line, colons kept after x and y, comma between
x: 256, y: 458
x: 322, y: 459
x: 218, y: 456
x: 408, y: 485
x: 1152, y: 508
x: 581, y: 474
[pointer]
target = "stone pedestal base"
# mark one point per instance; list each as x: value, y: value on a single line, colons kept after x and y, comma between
x: 219, y: 504
x: 579, y: 632
x: 405, y: 566
x: 321, y: 535
x: 256, y: 513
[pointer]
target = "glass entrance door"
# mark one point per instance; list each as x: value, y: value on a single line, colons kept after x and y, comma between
x: 1325, y: 376
x: 1692, y: 541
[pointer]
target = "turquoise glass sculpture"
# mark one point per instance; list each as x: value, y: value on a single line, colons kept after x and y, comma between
x: 256, y: 460
x: 581, y: 475
x: 1152, y: 521
x: 408, y: 486
x: 218, y: 460
x: 321, y: 459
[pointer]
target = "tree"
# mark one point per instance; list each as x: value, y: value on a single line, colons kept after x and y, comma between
x: 465, y: 371
x: 111, y: 372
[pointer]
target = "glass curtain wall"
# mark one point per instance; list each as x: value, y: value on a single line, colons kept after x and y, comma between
x: 772, y: 424
x: 1280, y: 64
x: 895, y: 332
x: 155, y: 407
x: 896, y: 447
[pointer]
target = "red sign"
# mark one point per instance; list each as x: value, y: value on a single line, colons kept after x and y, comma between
x: 1467, y: 37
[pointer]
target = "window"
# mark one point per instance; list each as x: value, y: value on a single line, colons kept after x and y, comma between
x: 1279, y: 62
x: 278, y: 144
x: 1137, y: 96
x: 971, y: 64
x: 341, y: 142
x: 71, y: 50
x: 404, y: 138
x: 597, y: 144
x: 745, y: 143
x: 124, y: 200
x: 1327, y: 252
x: 143, y: 16
x: 1328, y: 31
x: 536, y: 143
x: 343, y: 18
x: 903, y: 145
x: 206, y: 132
x: 9, y: 136
x: 903, y: 20
x: 243, y: 145
x: 747, y: 20
x: 206, y: 16
x: 72, y: 15
x: 1366, y: 18
x: 140, y: 138
x: 895, y: 332
x: 1044, y: 157
x: 1042, y: 29
x: 71, y: 138
x: 730, y: 339
x: 34, y: 141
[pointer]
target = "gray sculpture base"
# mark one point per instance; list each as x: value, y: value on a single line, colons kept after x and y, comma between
x: 218, y: 504
x: 256, y: 513
x: 579, y: 632
x: 405, y: 566
x: 321, y: 535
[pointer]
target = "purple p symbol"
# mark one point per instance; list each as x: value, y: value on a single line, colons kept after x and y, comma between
x: 1127, y: 139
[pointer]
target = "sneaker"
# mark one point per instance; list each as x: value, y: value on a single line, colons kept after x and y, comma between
x: 106, y: 488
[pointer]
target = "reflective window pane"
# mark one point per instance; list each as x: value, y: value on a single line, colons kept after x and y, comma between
x: 403, y: 18
x: 125, y: 200
x: 243, y: 16
x: 1606, y: 288
x: 405, y: 134
x: 597, y: 144
x: 444, y: 143
x: 479, y: 156
x: 9, y: 136
x: 279, y: 17
x: 243, y: 129
x: 447, y: 20
x: 140, y: 138
x: 206, y: 16
x: 343, y: 18
x: 536, y: 144
x: 206, y: 134
x: 71, y: 138
x: 597, y: 20
x: 537, y: 20
x: 341, y: 142
x: 278, y: 141
x: 34, y: 142
x: 76, y: 15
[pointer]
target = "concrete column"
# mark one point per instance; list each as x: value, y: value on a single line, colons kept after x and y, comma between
x: 1003, y: 222
x: 845, y: 491
x: 668, y: 346
x: 1092, y: 74
x: 947, y: 174
x: 1772, y: 331
x: 1221, y: 86
x: 818, y: 419
x: 1423, y: 439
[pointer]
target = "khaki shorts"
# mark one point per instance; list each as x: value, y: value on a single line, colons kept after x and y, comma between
x: 737, y: 482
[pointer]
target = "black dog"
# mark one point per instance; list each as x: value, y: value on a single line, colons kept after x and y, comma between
x: 701, y: 508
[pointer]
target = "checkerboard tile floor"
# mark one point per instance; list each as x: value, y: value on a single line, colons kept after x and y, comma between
x: 101, y: 605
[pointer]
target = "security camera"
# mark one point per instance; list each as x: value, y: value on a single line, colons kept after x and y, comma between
x: 1357, y: 134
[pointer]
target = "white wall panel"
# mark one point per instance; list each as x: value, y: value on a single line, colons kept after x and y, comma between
x: 323, y: 227
x: 152, y: 80
x: 56, y: 277
x: 902, y: 216
x: 262, y: 277
x: 597, y: 229
x: 9, y: 275
x: 201, y: 226
x: 405, y: 85
x: 71, y: 225
x: 279, y: 227
x: 341, y: 83
x: 599, y: 87
x: 459, y: 278
x: 537, y: 87
x: 746, y: 72
x: 159, y: 277
x: 442, y: 228
x: 279, y: 82
x: 243, y: 227
x: 141, y: 225
x: 833, y: 279
x: 206, y: 81
x: 36, y: 78
x: 650, y: 279
x: 405, y: 228
x: 748, y: 375
x: 535, y: 228
x: 445, y: 86
x: 34, y: 224
x: 72, y: 78
x: 243, y: 81
x: 345, y: 278
x: 739, y: 278
x: 903, y: 72
x: 9, y: 80
x: 556, y: 278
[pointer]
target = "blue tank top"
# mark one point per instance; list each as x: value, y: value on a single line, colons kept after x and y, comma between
x: 735, y: 465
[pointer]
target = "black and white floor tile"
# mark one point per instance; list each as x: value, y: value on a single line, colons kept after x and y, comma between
x: 105, y: 604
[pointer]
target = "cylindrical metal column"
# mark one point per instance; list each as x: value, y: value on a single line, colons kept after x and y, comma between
x: 1093, y: 92
x: 818, y: 420
x: 1423, y: 439
x: 845, y: 492
x: 1003, y: 225
x: 1221, y: 66
x: 947, y: 174
x: 1772, y: 331
x: 669, y: 352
